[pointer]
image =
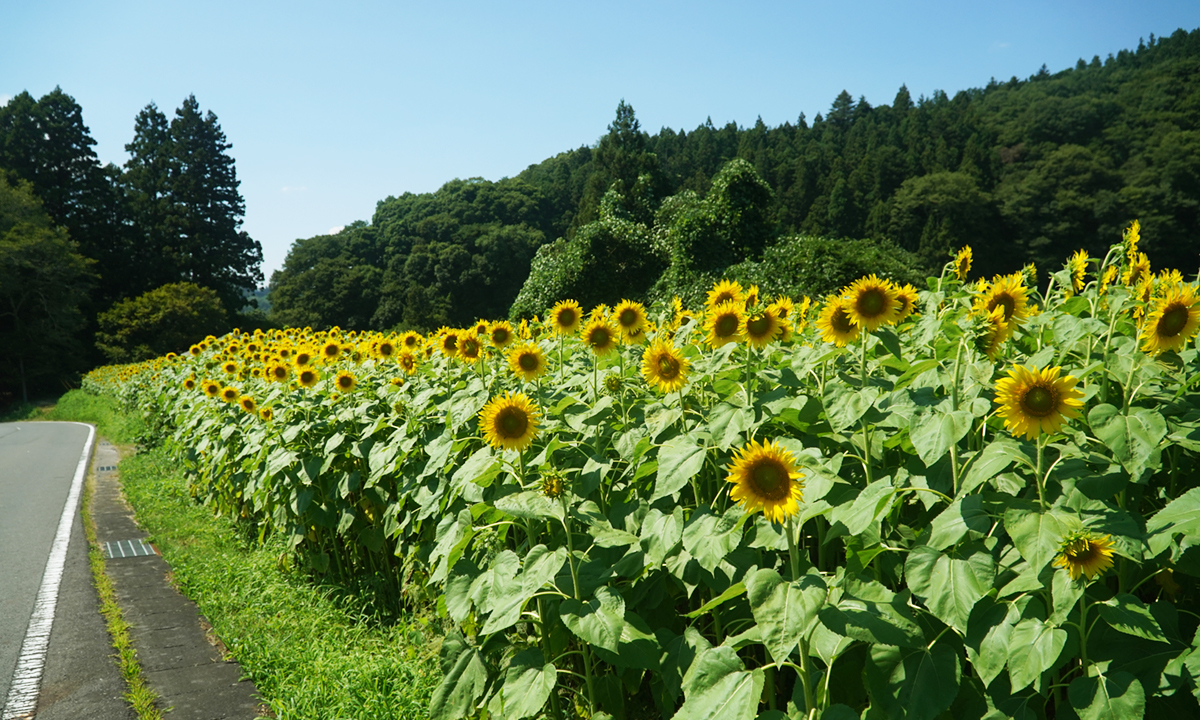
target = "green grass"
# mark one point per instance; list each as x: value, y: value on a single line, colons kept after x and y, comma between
x: 310, y: 655
x: 104, y: 412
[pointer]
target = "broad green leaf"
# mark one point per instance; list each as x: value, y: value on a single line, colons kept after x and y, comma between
x: 508, y: 591
x: 464, y: 682
x: 727, y: 422
x: 880, y: 617
x: 913, y: 683
x: 679, y: 459
x: 988, y: 463
x: 1132, y: 438
x: 679, y: 655
x: 988, y: 632
x: 1127, y: 614
x: 661, y: 534
x: 1037, y: 535
x: 845, y: 404
x: 709, y: 538
x: 953, y: 523
x: 1033, y: 648
x: 950, y: 586
x: 1118, y: 696
x: 532, y: 505
x: 479, y: 468
x: 1181, y: 515
x: 867, y: 508
x: 784, y: 611
x: 528, y: 682
x: 933, y: 433
x: 717, y: 687
x: 599, y: 621
x: 1065, y: 594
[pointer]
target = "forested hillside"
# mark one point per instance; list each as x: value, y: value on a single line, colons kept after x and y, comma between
x: 1023, y: 170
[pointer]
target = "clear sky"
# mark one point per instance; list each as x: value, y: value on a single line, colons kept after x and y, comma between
x: 332, y: 107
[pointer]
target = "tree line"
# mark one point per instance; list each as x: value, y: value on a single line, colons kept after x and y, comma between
x: 1023, y: 170
x: 90, y: 254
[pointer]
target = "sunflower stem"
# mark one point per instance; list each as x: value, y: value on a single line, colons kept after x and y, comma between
x: 1040, y: 477
x: 954, y: 407
x: 1083, y: 632
x: 793, y: 556
x: 587, y: 657
x: 866, y: 428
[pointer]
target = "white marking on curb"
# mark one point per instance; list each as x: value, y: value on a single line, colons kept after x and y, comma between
x: 27, y: 679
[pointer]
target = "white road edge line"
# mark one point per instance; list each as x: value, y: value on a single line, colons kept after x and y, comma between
x: 27, y: 678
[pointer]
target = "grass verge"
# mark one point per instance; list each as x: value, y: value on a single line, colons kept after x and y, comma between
x: 138, y: 694
x: 310, y: 654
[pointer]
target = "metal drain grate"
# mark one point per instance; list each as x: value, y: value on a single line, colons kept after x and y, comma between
x: 127, y: 548
x: 102, y: 468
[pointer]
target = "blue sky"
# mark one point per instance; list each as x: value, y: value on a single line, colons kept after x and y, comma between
x: 332, y: 107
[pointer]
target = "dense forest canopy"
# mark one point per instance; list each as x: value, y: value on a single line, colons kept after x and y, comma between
x: 1022, y: 170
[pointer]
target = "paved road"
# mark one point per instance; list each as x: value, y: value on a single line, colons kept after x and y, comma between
x: 38, y: 462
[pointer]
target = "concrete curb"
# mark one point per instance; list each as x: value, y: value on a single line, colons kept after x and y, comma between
x: 192, y: 679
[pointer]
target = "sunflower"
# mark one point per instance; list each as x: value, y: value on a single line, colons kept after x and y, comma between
x: 308, y: 377
x: 1077, y: 265
x: 500, y: 333
x: 481, y: 327
x: 1138, y: 270
x: 384, y: 349
x: 212, y: 388
x: 331, y: 350
x: 566, y: 317
x: 1081, y: 553
x: 724, y: 324
x: 408, y: 361
x: 469, y: 347
x: 1131, y: 237
x: 751, y: 297
x: 962, y: 263
x: 526, y: 360
x: 680, y: 315
x: 230, y: 394
x: 1173, y: 321
x: 1110, y: 276
x: 1009, y: 292
x: 304, y: 357
x: 189, y: 383
x: 908, y: 299
x: 230, y: 367
x: 600, y: 336
x: 871, y: 302
x: 993, y: 333
x: 761, y: 328
x: 630, y: 317
x: 1034, y: 401
x: 248, y: 404
x: 266, y: 413
x: 664, y: 366
x: 834, y: 322
x: 195, y: 350
x: 783, y: 307
x: 765, y: 478
x: 412, y: 340
x: 726, y: 291
x: 397, y: 382
x: 448, y: 342
x: 509, y: 422
x: 345, y: 381
x: 278, y: 372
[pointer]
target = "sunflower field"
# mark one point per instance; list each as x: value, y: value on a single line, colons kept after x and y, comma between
x: 979, y: 499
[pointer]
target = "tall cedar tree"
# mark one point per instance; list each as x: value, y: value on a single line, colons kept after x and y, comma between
x: 183, y: 189
x: 45, y: 143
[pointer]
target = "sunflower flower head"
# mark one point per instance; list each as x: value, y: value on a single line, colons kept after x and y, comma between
x: 469, y: 346
x: 1137, y: 271
x: 664, y: 366
x: 992, y: 332
x: 526, y: 361
x: 726, y: 291
x: 1083, y: 554
x: 762, y: 328
x: 872, y: 303
x: 212, y: 388
x: 553, y: 484
x: 308, y: 377
x: 1130, y: 239
x: 962, y: 263
x: 189, y: 383
x: 565, y: 317
x: 345, y: 381
x: 1077, y: 268
x: 1173, y: 321
x: 509, y: 422
x: 1036, y: 401
x: 834, y: 322
x: 408, y: 361
x: 723, y: 324
x: 500, y: 333
x: 630, y: 318
x: 600, y: 336
x: 908, y: 299
x: 248, y: 404
x: 230, y: 394
x: 1008, y: 292
x: 765, y: 477
x: 266, y: 413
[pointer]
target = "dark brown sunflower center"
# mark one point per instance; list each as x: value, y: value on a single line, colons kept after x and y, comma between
x: 770, y: 479
x: 470, y: 347
x: 599, y: 337
x: 1039, y: 401
x: 499, y: 336
x: 566, y: 317
x: 386, y: 349
x: 345, y: 383
x: 759, y: 326
x: 840, y: 322
x: 280, y: 372
x: 512, y: 422
x: 1007, y: 302
x: 628, y: 318
x: 668, y: 367
x: 1173, y: 320
x: 726, y: 325
x: 528, y: 362
x: 871, y: 303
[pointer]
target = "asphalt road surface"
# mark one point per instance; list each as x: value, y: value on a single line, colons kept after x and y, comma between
x: 38, y: 463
